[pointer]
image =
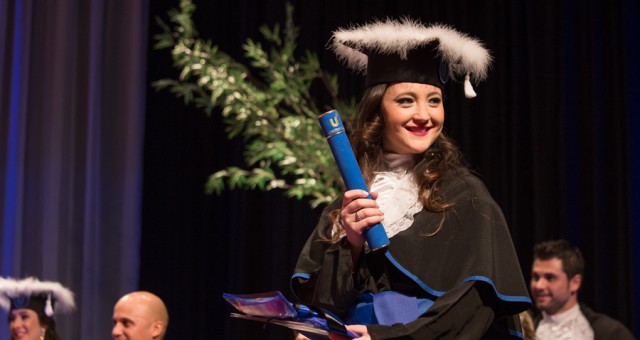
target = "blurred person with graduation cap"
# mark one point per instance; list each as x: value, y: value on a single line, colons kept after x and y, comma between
x: 31, y: 305
x: 450, y: 270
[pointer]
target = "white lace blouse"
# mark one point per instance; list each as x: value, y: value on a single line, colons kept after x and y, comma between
x: 397, y: 193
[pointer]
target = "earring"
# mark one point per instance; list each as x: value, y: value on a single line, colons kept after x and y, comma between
x: 42, y: 334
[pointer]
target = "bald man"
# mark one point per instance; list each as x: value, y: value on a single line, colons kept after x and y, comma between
x: 139, y: 316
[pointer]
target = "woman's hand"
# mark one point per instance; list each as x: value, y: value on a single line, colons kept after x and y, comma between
x: 358, y: 214
x: 358, y: 329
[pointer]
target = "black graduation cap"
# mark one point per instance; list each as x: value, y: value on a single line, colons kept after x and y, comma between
x: 40, y: 296
x: 408, y: 51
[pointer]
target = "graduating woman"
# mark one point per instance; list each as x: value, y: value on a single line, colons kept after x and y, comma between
x: 31, y: 304
x: 450, y: 269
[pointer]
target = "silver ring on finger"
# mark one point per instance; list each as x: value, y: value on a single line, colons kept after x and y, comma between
x: 357, y: 217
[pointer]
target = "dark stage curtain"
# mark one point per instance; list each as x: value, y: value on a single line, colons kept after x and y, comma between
x: 72, y: 92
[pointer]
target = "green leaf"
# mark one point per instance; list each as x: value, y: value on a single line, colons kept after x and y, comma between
x: 267, y: 102
x: 215, y: 182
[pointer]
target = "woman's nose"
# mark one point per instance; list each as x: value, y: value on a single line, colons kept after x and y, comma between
x: 422, y: 113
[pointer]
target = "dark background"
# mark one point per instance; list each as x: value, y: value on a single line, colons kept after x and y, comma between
x: 550, y: 133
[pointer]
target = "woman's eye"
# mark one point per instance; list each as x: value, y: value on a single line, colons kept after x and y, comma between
x: 403, y: 101
x: 435, y: 100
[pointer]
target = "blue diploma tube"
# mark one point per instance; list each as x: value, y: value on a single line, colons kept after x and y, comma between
x: 335, y: 133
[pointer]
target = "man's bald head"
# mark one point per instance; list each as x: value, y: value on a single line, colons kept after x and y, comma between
x: 140, y: 316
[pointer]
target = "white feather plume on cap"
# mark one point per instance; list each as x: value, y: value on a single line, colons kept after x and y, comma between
x: 466, y: 57
x: 53, y: 293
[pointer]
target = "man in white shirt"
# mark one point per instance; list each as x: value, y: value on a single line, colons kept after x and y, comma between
x: 556, y: 276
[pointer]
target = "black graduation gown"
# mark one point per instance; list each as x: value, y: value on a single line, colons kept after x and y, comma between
x: 469, y: 268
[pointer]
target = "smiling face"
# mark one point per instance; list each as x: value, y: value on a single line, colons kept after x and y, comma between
x: 413, y: 117
x: 131, y: 321
x: 552, y: 291
x: 139, y: 316
x: 24, y: 325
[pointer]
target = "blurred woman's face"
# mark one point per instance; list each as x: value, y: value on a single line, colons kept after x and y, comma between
x: 413, y: 117
x: 24, y: 325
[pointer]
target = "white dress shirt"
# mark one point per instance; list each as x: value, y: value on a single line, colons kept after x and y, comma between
x: 569, y: 325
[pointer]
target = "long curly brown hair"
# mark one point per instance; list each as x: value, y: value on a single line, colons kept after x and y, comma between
x: 50, y: 324
x: 366, y: 132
